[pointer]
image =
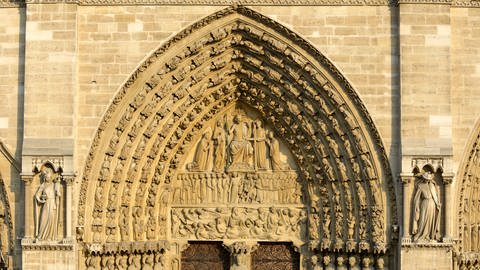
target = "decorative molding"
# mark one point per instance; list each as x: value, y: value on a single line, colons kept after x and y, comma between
x: 5, y: 151
x: 12, y: 3
x: 123, y: 247
x: 29, y: 244
x: 210, y: 2
x: 466, y: 4
x: 429, y: 2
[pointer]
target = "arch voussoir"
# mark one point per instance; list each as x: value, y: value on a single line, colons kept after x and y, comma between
x: 138, y: 173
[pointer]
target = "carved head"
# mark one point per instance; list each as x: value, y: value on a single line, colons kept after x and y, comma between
x: 340, y: 261
x: 46, y: 175
x: 427, y: 176
x: 352, y: 261
x: 237, y: 119
x: 326, y: 260
x: 366, y: 262
x: 314, y: 259
x: 380, y: 263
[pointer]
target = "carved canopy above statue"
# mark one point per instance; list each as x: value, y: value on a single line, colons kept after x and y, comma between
x: 162, y: 129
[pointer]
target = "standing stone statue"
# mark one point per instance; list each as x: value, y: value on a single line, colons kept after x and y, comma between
x: 200, y: 160
x: 219, y: 148
x: 426, y: 223
x: 241, y: 150
x: 47, y: 202
x: 274, y: 146
x: 315, y: 264
x: 260, y: 146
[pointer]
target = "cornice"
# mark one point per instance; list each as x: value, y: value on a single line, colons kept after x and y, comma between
x: 453, y: 3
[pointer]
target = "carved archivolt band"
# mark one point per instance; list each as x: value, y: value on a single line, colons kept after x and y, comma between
x: 469, y: 205
x: 231, y: 57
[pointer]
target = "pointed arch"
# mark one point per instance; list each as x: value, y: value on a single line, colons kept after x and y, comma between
x: 468, y: 204
x: 239, y: 56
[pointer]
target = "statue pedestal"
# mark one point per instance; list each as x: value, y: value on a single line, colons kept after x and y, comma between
x: 426, y: 256
x: 48, y: 255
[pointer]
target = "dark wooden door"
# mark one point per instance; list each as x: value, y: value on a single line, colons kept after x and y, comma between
x: 275, y: 256
x: 205, y: 256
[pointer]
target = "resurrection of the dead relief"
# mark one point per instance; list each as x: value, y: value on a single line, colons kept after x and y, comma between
x: 236, y: 135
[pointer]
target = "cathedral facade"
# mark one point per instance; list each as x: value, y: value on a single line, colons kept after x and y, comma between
x: 256, y: 134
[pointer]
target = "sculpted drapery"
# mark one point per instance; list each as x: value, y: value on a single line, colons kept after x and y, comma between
x: 47, y: 200
x: 426, y: 224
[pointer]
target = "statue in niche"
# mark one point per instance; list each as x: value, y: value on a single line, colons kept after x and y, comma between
x: 122, y: 262
x: 219, y: 147
x: 160, y: 262
x: 108, y: 263
x: 352, y: 261
x: 315, y: 264
x: 327, y: 263
x: 367, y: 264
x: 147, y: 262
x: 47, y: 202
x: 92, y: 262
x: 260, y: 146
x: 274, y: 146
x: 200, y: 159
x: 426, y: 223
x: 241, y: 150
x: 341, y: 263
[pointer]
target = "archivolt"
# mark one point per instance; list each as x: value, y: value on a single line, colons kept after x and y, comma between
x: 238, y: 55
x: 469, y: 204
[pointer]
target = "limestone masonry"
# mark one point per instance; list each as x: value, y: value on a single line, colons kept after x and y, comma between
x: 250, y: 134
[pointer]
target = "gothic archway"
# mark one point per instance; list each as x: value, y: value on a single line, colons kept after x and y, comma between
x: 236, y: 62
x: 468, y: 204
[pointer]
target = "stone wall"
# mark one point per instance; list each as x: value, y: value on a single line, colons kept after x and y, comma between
x: 415, y: 66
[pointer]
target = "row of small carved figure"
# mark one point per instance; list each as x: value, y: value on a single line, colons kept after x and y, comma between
x: 471, y: 237
x: 238, y: 222
x: 328, y: 262
x: 238, y: 190
x: 146, y: 261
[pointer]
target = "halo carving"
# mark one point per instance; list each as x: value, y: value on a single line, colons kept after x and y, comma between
x: 237, y: 59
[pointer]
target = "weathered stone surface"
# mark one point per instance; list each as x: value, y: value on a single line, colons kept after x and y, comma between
x: 132, y: 127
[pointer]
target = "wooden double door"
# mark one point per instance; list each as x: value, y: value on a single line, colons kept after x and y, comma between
x: 267, y: 256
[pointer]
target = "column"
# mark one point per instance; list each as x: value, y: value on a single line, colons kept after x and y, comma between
x: 406, y: 179
x: 29, y: 223
x: 447, y: 182
x: 68, y: 206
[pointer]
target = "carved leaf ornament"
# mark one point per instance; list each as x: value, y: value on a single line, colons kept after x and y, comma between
x: 237, y: 57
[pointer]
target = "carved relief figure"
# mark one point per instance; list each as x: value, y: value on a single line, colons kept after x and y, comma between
x: 260, y: 146
x: 426, y: 223
x: 274, y: 146
x: 241, y: 150
x: 47, y: 200
x: 315, y: 264
x: 219, y: 147
x: 200, y: 160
